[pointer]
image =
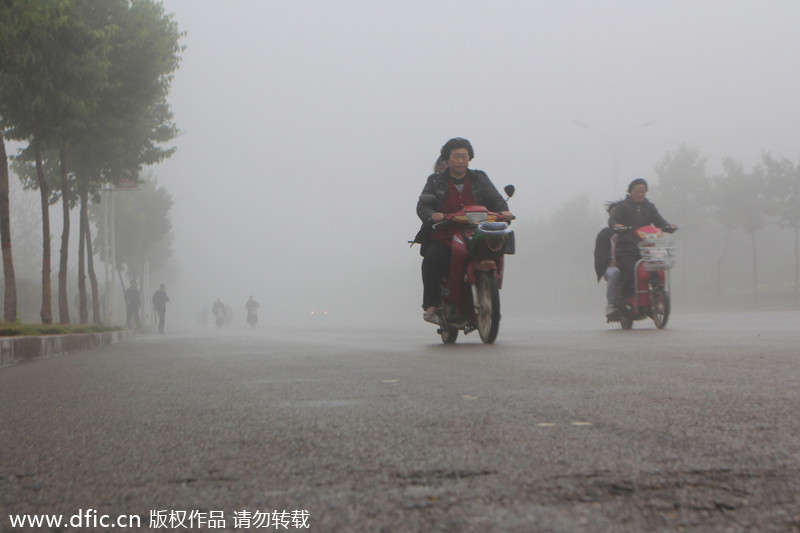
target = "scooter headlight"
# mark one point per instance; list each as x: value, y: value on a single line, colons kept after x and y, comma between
x: 476, y: 217
x: 496, y: 244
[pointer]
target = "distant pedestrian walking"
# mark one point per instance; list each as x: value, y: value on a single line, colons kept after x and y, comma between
x: 132, y: 305
x: 160, y: 300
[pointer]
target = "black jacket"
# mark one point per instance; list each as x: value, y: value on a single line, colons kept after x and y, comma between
x: 160, y: 300
x: 483, y: 192
x: 629, y: 213
x: 132, y: 298
x: 602, y: 251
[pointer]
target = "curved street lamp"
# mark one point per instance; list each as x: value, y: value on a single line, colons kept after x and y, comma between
x: 614, y: 143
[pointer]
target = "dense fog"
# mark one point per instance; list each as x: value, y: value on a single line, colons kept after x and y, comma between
x: 308, y: 129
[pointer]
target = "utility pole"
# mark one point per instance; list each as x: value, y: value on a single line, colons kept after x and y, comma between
x: 614, y: 144
x: 110, y: 244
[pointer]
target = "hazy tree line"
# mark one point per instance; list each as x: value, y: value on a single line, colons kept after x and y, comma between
x: 739, y: 241
x: 84, y: 85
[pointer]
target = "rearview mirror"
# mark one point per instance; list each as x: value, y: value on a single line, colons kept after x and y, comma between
x: 509, y: 190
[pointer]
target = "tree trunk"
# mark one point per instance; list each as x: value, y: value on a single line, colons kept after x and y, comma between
x: 796, y: 258
x: 90, y: 268
x: 719, y: 265
x: 63, y: 301
x: 83, y: 310
x: 755, y: 269
x: 47, y: 312
x: 10, y: 304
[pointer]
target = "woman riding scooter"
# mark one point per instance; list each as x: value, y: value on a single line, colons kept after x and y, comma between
x: 454, y: 187
x: 634, y: 211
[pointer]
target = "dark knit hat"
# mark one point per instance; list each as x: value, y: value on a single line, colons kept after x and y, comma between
x: 637, y: 181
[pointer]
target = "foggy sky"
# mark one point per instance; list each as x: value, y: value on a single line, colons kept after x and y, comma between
x: 309, y: 127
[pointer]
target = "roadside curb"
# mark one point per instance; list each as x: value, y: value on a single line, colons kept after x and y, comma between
x: 17, y: 349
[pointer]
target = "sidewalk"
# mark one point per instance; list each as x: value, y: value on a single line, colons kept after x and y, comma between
x: 16, y: 349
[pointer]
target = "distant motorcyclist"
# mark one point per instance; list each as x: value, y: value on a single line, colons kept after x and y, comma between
x: 634, y: 211
x: 252, y: 311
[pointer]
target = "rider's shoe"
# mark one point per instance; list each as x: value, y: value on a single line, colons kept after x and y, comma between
x: 611, y: 310
x: 431, y: 316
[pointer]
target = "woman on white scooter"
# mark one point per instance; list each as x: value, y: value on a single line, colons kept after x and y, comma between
x: 634, y: 211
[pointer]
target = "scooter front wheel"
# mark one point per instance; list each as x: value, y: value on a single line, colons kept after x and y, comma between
x: 448, y: 334
x: 660, y: 308
x: 487, y: 306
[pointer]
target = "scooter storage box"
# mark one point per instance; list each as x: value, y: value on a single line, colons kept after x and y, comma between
x: 489, y: 239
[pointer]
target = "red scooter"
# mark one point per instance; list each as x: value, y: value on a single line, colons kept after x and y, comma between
x: 471, y: 290
x: 651, y: 279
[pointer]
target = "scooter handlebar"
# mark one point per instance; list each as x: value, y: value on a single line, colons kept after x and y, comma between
x: 667, y: 229
x: 451, y: 218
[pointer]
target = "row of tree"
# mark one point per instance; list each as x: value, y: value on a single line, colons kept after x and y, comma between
x: 84, y: 83
x: 737, y: 198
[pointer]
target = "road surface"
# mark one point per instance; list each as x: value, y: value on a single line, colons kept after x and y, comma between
x: 563, y: 425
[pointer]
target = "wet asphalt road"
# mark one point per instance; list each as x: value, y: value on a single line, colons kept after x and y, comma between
x: 563, y: 425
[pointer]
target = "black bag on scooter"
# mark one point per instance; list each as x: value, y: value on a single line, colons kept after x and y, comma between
x: 423, y: 237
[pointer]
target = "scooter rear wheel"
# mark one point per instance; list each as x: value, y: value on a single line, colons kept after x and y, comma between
x: 488, y: 306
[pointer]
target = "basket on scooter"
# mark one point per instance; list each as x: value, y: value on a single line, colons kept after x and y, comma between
x: 658, y: 254
x: 489, y: 239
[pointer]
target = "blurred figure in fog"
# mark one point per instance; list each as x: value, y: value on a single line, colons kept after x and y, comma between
x: 605, y: 263
x: 132, y: 305
x: 160, y: 300
x: 252, y: 311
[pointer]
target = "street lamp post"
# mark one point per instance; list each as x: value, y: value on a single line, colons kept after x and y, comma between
x: 110, y: 245
x: 614, y: 143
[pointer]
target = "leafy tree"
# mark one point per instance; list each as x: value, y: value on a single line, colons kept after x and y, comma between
x: 783, y: 183
x: 740, y: 200
x: 683, y: 192
x: 52, y: 64
x: 89, y: 79
x: 143, y: 227
x: 132, y: 117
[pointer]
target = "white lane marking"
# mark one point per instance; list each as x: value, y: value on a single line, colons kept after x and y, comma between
x: 553, y: 424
